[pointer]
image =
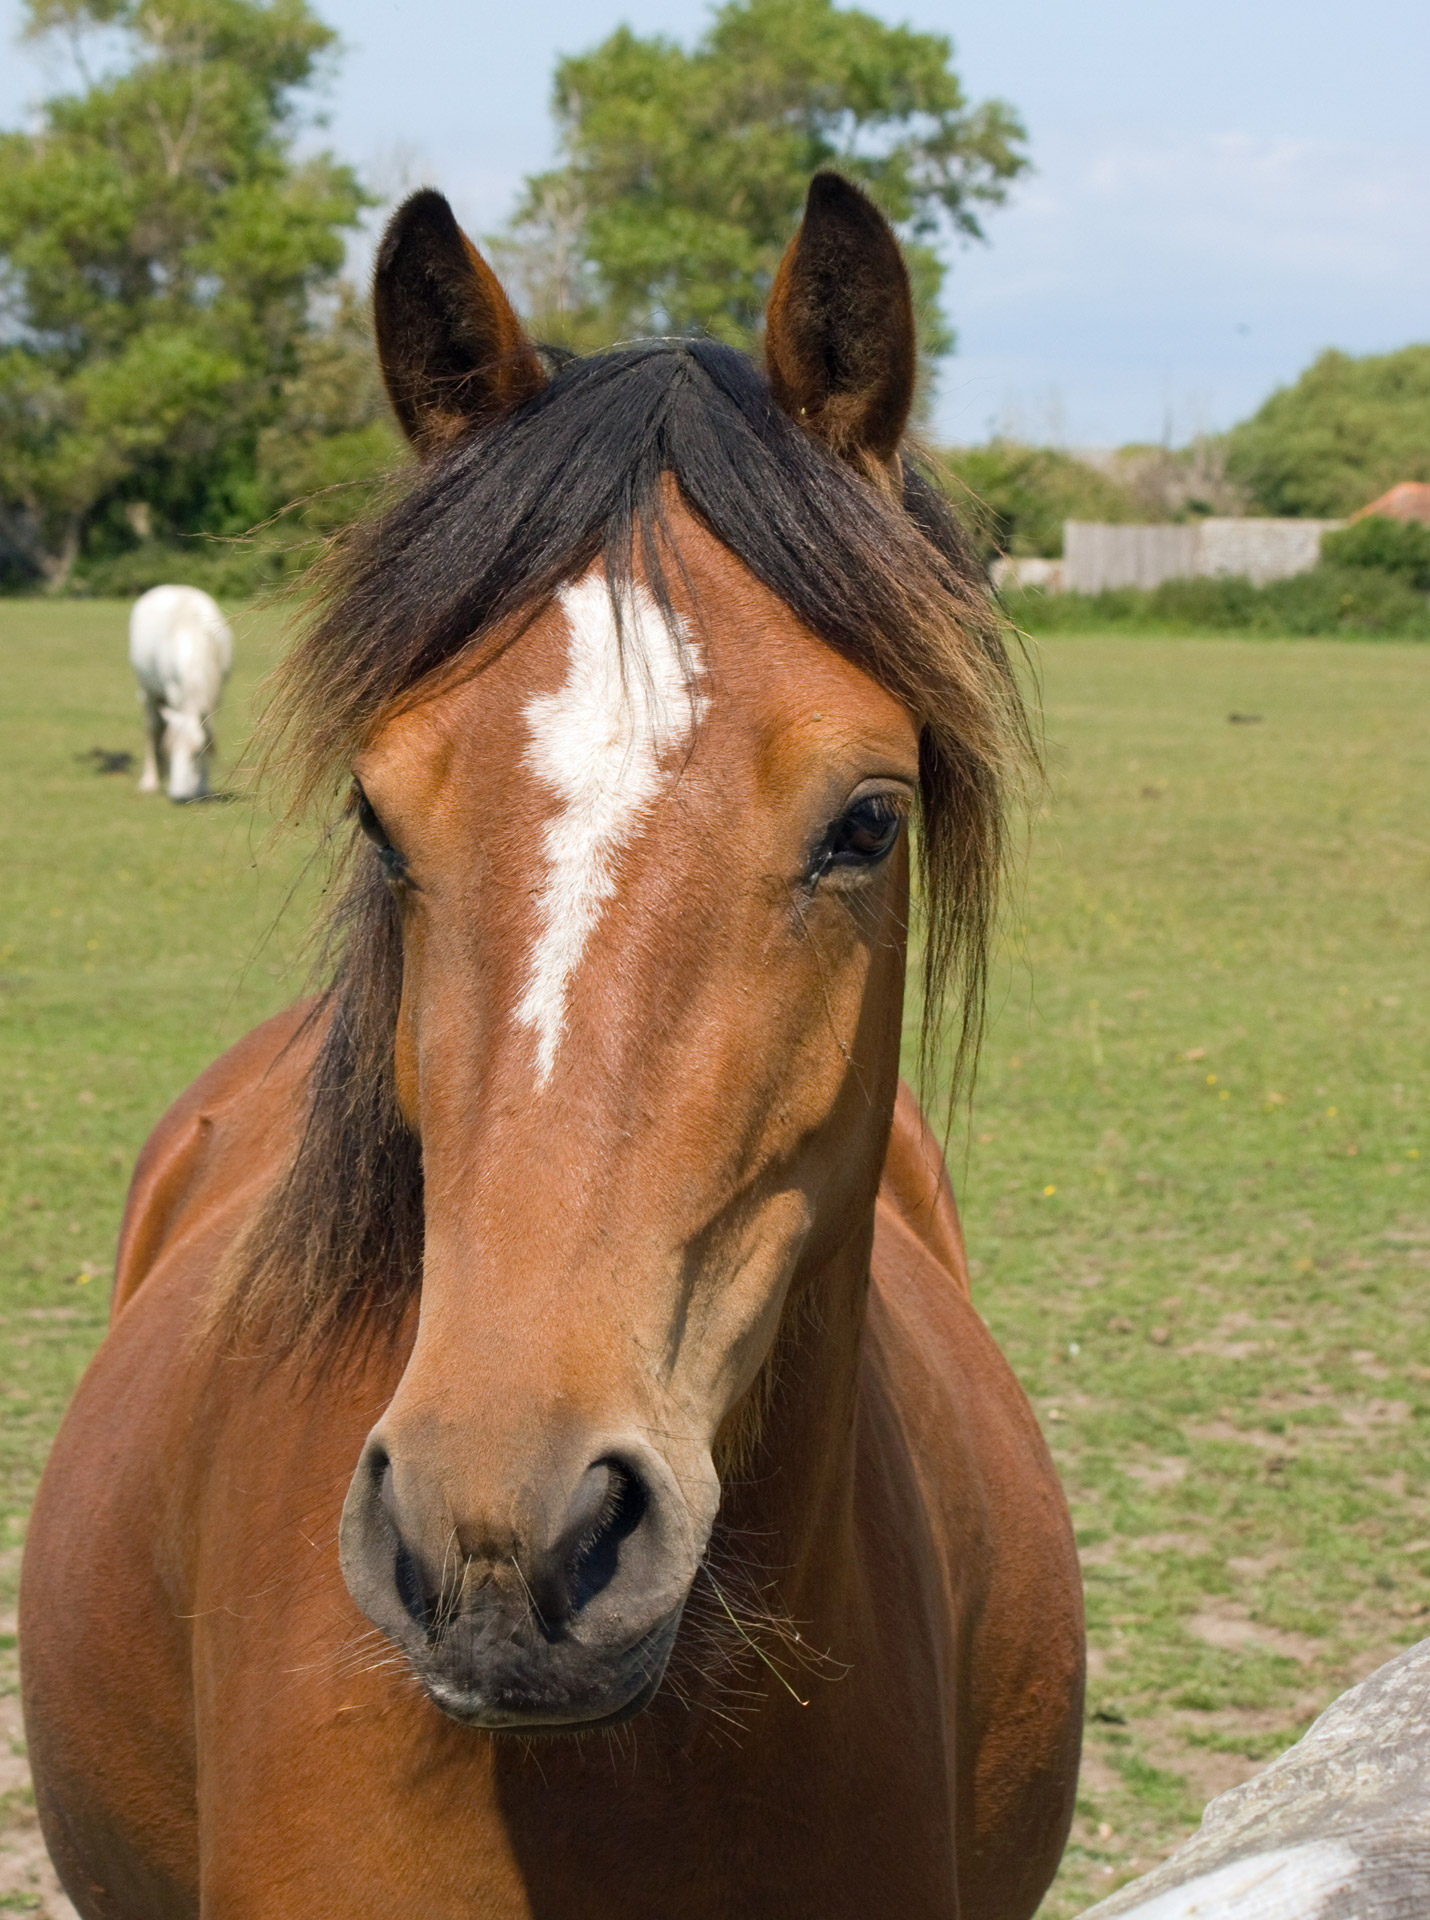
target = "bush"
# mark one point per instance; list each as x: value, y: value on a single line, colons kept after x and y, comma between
x: 1399, y: 547
x: 1333, y: 599
x: 1328, y: 600
x: 229, y: 570
x: 1216, y: 600
x: 1021, y: 496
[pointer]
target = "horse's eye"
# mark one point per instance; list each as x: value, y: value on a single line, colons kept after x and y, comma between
x: 368, y: 820
x: 865, y: 835
x: 394, y: 862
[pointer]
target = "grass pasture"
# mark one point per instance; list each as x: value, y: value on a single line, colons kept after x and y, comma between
x: 1194, y: 1179
x: 135, y: 943
x: 1196, y: 1195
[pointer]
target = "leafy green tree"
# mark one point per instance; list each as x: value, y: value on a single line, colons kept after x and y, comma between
x: 333, y: 443
x: 326, y: 454
x: 160, y: 252
x: 1344, y: 433
x: 1021, y: 495
x: 683, y: 172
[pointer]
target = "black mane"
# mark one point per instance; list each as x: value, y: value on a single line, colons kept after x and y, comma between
x: 877, y: 566
x: 514, y: 510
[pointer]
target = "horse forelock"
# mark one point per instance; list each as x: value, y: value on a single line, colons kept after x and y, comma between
x: 570, y: 500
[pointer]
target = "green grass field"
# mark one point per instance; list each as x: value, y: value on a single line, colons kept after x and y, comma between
x: 1194, y: 1179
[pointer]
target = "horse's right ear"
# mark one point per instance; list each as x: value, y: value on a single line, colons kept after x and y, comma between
x: 452, y: 351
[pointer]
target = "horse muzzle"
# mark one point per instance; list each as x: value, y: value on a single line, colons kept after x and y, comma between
x: 562, y: 1621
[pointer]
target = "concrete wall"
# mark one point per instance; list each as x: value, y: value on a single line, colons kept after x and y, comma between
x: 1262, y: 549
x: 1097, y: 556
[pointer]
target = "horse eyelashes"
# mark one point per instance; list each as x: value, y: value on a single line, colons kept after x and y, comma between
x: 862, y: 838
x: 394, y: 863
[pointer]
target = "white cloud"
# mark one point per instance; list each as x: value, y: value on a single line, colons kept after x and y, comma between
x: 1142, y: 278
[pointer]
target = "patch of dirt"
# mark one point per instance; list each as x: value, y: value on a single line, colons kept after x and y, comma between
x: 1231, y: 1628
x: 1392, y: 1483
x: 1224, y: 1431
x: 1155, y: 1475
x: 14, y: 1768
x: 1207, y: 1772
x: 1113, y: 1552
x: 1361, y: 1665
x: 26, y: 1875
x: 1095, y: 1777
x: 1370, y: 1365
x: 1371, y: 1414
x: 28, y: 1883
x: 1253, y: 1566
x: 1251, y: 1722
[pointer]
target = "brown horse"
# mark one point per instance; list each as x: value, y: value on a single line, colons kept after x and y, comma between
x: 570, y: 1289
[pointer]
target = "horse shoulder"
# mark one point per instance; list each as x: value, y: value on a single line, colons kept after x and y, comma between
x: 117, y: 1553
x: 218, y: 1117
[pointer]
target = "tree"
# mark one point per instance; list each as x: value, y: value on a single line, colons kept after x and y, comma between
x: 683, y: 173
x: 333, y: 443
x: 161, y: 250
x: 1344, y: 433
x: 1019, y: 496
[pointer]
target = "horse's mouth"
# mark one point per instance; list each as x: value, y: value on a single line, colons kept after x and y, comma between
x: 559, y: 1687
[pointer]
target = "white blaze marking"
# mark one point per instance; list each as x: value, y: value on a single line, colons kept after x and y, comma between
x: 599, y: 743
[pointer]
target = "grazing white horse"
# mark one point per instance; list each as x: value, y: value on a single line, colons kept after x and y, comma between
x: 181, y: 650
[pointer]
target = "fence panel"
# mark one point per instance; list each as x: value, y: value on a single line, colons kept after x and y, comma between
x: 1097, y: 556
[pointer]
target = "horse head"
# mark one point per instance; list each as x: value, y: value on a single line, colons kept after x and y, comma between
x: 187, y: 745
x: 636, y: 846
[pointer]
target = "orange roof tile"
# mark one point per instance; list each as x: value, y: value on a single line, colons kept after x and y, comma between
x: 1409, y: 501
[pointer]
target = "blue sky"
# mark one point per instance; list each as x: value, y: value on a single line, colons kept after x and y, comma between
x: 1221, y: 190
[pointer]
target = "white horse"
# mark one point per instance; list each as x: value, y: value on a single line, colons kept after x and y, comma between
x: 181, y: 650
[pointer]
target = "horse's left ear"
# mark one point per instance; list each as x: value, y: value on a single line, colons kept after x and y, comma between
x: 452, y: 351
x: 839, y: 330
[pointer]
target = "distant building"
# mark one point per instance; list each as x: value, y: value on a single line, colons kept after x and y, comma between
x: 1409, y: 501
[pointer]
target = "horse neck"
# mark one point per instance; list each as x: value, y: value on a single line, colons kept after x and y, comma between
x: 787, y: 1517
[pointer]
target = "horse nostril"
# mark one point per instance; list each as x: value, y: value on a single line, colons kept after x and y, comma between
x: 408, y: 1580
x: 614, y: 1497
x: 409, y: 1589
